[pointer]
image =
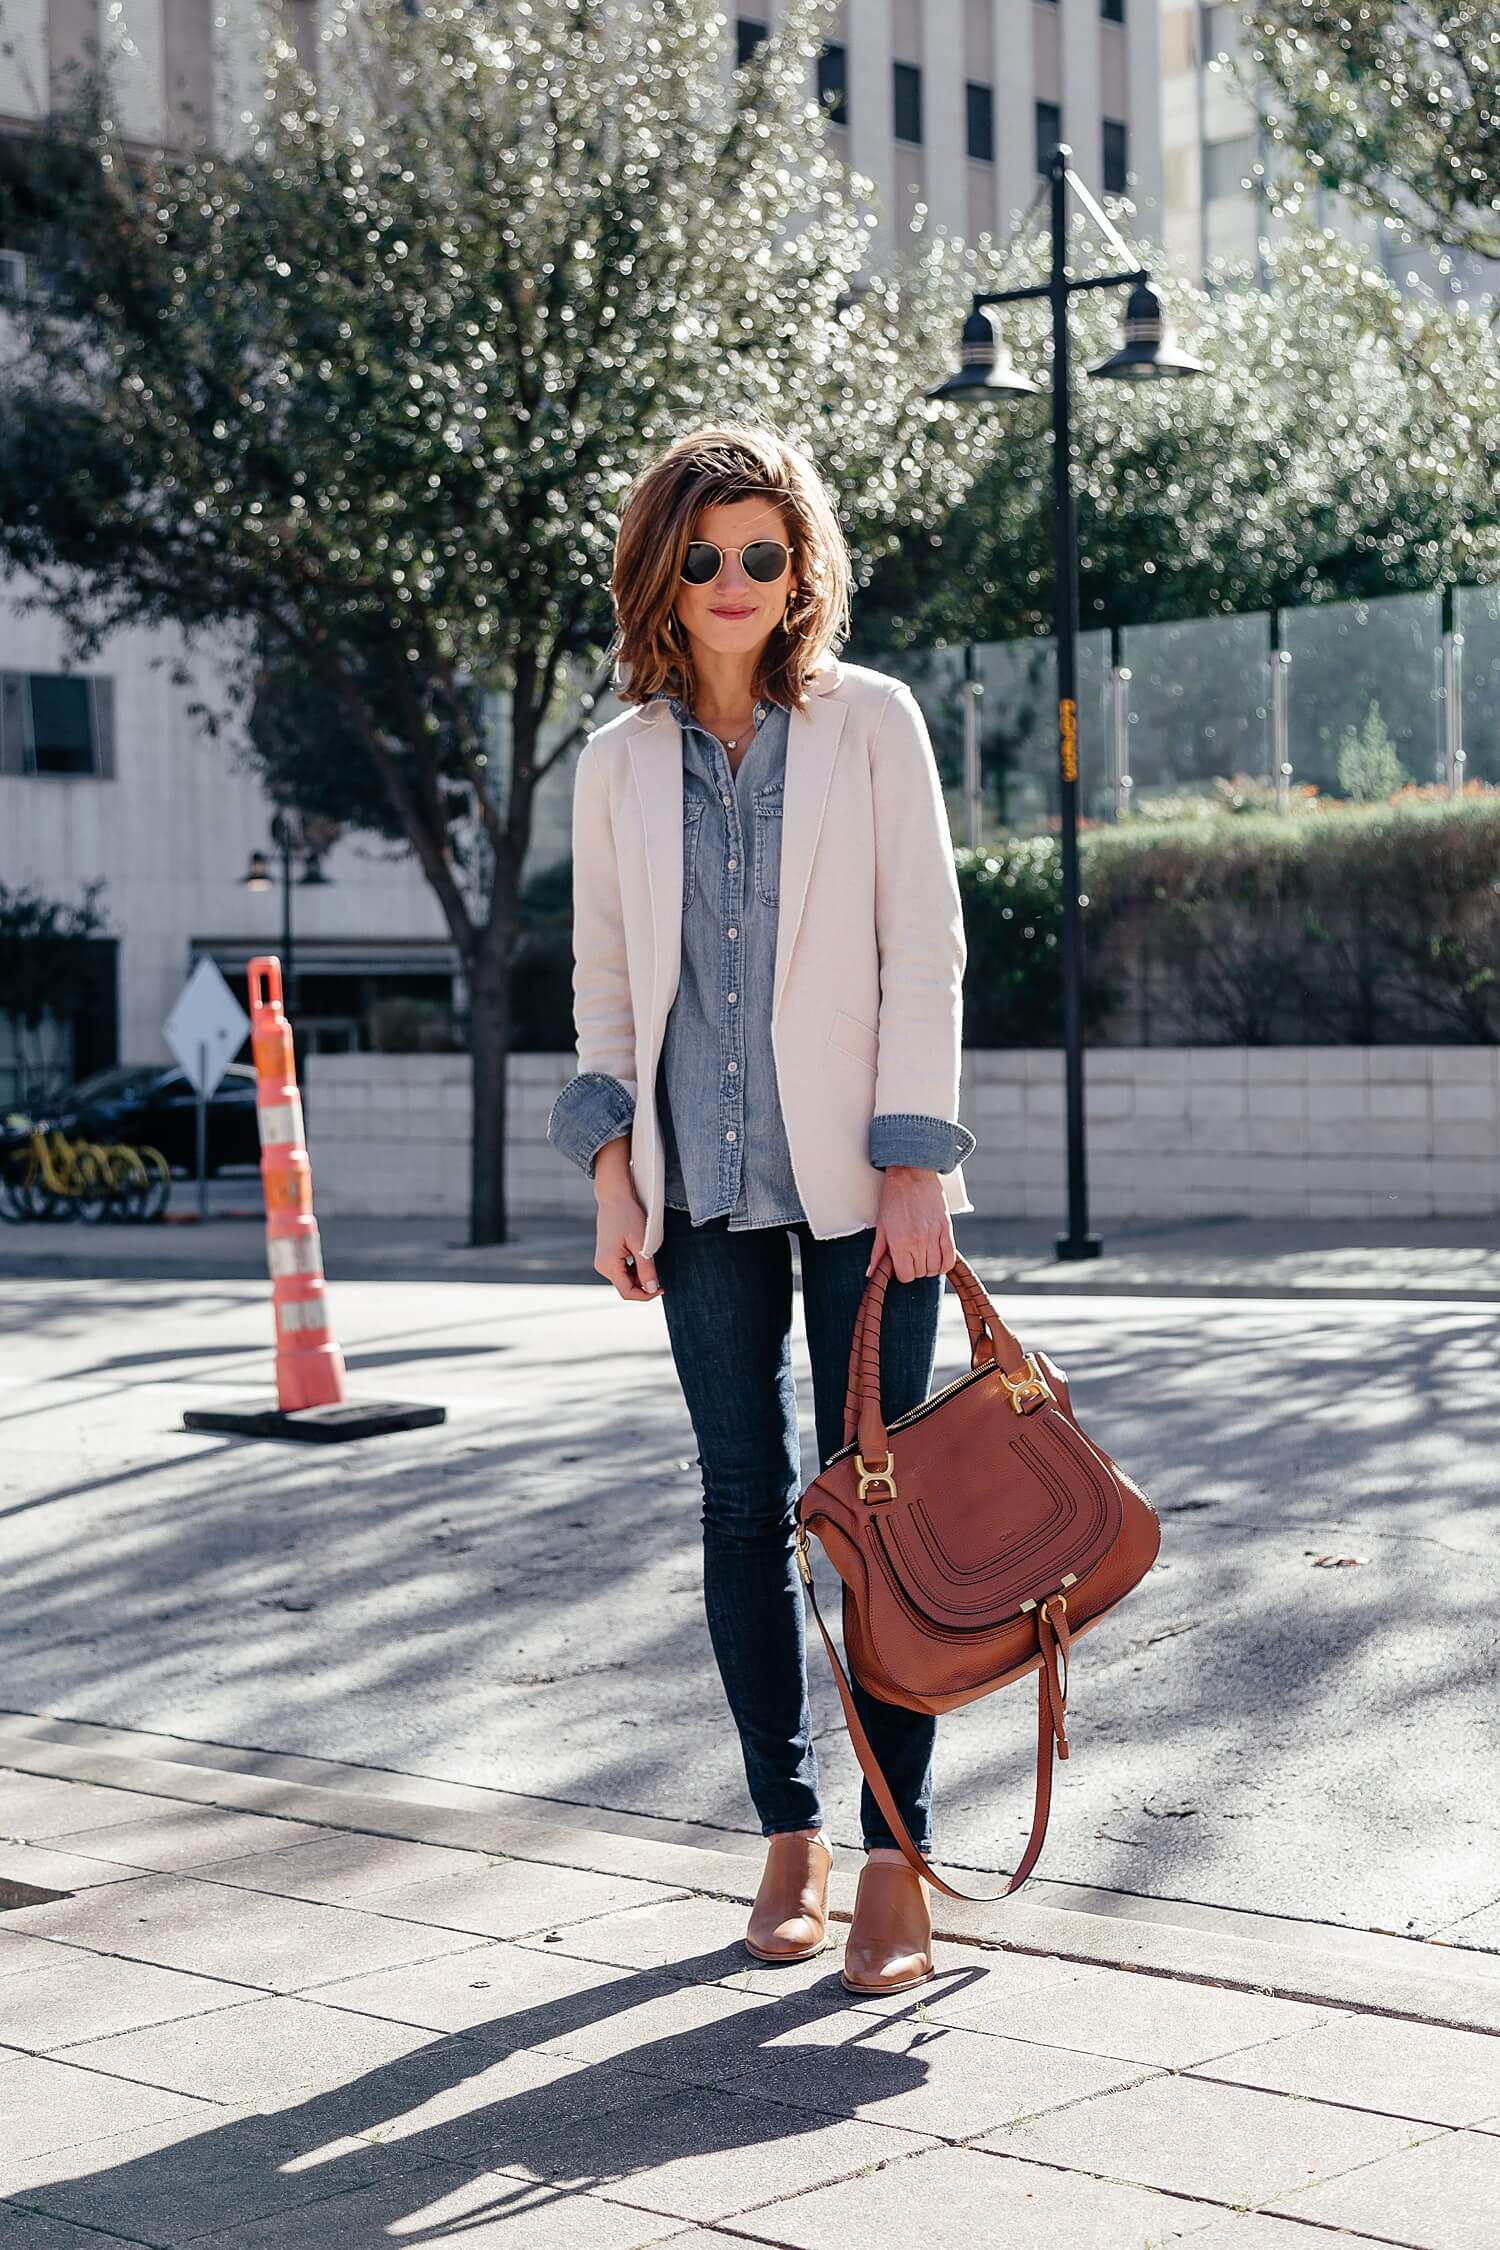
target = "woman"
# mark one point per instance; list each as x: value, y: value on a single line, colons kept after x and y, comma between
x: 769, y: 954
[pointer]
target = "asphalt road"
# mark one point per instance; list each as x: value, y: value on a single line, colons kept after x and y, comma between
x: 1295, y: 1713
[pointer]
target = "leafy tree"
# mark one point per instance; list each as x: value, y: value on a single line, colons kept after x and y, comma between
x: 1369, y: 769
x: 308, y: 753
x: 1391, y: 104
x: 362, y: 396
x: 1340, y: 443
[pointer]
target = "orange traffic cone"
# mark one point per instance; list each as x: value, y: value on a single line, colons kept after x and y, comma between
x: 309, y: 1364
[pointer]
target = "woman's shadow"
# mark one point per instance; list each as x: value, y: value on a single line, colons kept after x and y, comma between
x: 480, y: 2119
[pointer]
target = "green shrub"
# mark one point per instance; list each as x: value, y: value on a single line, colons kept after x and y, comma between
x: 1012, y: 900
x: 1375, y: 924
x: 1369, y: 768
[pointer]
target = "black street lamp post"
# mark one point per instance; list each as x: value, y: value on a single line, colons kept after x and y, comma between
x: 258, y: 878
x: 985, y: 372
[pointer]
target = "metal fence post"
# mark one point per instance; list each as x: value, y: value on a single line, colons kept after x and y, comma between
x: 1453, y: 696
x: 973, y: 780
x: 1281, y: 764
x: 1121, y: 782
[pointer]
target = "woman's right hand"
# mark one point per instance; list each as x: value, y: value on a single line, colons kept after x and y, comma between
x: 620, y: 1227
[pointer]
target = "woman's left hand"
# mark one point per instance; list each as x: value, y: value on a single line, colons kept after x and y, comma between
x: 915, y: 1224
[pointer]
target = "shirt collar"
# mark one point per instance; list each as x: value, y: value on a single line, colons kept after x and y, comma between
x: 684, y: 716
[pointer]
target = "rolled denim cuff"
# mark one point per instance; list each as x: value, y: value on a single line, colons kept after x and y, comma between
x: 591, y: 1109
x: 900, y: 1136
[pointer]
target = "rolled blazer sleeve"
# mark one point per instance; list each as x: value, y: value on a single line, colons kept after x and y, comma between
x: 919, y: 929
x: 599, y: 1101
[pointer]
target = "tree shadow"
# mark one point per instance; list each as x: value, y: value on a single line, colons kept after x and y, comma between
x: 482, y: 2106
x: 1251, y: 1727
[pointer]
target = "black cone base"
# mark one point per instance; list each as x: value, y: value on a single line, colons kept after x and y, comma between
x: 315, y: 1425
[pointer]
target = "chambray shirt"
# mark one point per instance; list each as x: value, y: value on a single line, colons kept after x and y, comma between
x: 722, y: 1128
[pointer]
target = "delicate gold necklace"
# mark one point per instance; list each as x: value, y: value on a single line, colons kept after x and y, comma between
x: 733, y: 741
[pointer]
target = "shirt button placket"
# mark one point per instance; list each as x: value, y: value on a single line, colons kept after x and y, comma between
x: 730, y: 1093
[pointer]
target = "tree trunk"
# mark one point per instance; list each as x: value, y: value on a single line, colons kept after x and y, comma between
x: 490, y: 971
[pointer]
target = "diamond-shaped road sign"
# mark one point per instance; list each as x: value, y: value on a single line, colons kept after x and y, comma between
x: 206, y: 1028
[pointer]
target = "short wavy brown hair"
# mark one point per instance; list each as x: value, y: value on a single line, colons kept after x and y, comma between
x: 701, y: 469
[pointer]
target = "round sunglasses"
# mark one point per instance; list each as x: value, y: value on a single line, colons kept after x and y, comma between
x: 764, y: 560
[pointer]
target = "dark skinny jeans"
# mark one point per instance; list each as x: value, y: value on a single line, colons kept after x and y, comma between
x: 727, y: 1298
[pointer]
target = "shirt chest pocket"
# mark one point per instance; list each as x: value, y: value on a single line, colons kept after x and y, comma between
x: 692, y: 822
x: 768, y: 842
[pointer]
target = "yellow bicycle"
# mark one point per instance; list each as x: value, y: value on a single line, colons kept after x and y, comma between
x: 49, y: 1177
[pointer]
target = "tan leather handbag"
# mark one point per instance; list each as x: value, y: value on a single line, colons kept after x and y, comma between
x: 976, y: 1537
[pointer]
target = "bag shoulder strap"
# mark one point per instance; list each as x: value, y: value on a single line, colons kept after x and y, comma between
x: 1052, y: 1698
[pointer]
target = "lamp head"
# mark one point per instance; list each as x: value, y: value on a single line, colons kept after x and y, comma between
x: 1150, y: 349
x: 984, y: 367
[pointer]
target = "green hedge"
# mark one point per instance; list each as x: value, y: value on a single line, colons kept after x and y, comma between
x: 1365, y: 925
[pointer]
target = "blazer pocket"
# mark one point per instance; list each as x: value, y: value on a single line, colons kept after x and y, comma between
x: 692, y: 821
x: 855, y: 1038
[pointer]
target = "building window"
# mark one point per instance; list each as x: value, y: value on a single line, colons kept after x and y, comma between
x: 1226, y: 166
x: 1048, y: 133
x: 56, y: 723
x: 1115, y: 157
x: 62, y: 724
x: 1113, y: 11
x: 833, y: 78
x: 748, y: 35
x: 980, y: 103
x: 907, y: 85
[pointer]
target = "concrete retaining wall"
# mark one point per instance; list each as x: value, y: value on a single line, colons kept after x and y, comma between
x: 1309, y: 1132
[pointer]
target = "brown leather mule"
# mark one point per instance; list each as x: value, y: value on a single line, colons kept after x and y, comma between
x: 890, y: 1936
x: 789, y: 1920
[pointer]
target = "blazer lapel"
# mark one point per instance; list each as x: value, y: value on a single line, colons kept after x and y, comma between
x: 655, y: 747
x: 812, y: 741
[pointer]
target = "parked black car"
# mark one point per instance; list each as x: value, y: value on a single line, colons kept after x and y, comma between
x: 154, y: 1104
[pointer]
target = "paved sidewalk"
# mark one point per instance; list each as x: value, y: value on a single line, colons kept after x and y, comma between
x: 275, y: 2004
x: 1234, y: 1257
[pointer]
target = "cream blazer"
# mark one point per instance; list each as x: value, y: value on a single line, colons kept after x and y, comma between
x: 866, y: 1012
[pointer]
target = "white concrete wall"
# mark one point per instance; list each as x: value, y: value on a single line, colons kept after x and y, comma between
x: 1309, y: 1132
x: 388, y: 1135
x: 172, y: 831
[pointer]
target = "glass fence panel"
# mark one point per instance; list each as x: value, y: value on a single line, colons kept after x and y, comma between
x: 936, y: 678
x: 1096, y: 799
x: 1364, y: 684
x: 1363, y: 671
x: 1476, y: 614
x: 1017, y: 734
x: 1197, y: 704
x: 1018, y: 739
